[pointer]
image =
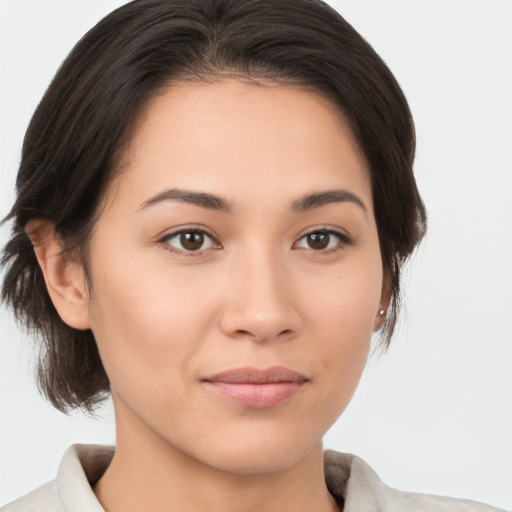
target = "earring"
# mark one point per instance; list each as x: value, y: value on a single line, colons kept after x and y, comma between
x: 382, y: 312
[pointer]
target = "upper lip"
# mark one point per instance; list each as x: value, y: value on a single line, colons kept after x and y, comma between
x: 248, y: 375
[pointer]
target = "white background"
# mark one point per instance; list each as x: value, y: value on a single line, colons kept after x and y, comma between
x: 434, y: 414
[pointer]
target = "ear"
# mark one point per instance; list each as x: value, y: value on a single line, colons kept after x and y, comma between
x: 64, y: 278
x: 385, y: 299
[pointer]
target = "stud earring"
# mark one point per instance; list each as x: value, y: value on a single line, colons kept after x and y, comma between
x: 382, y: 312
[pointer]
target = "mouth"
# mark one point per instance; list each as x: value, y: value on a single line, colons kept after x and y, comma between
x: 255, y: 388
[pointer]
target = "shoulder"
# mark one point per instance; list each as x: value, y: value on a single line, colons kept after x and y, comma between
x: 42, y: 499
x: 355, y: 484
x: 79, y: 469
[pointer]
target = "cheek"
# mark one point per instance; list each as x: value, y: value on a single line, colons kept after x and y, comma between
x: 345, y: 301
x: 343, y: 313
x: 151, y: 324
x: 138, y: 320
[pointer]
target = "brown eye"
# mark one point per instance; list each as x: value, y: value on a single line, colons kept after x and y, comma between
x: 318, y: 241
x: 323, y: 241
x: 192, y: 241
x: 189, y: 241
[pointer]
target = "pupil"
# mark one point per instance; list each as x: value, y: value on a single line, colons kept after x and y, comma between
x: 193, y: 240
x: 318, y: 240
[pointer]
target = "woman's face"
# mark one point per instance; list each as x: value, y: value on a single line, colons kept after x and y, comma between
x: 236, y: 274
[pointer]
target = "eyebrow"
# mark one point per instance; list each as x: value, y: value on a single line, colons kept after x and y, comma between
x: 318, y: 199
x: 202, y: 199
x: 212, y: 202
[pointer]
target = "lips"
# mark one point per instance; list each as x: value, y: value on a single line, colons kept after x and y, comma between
x: 252, y: 387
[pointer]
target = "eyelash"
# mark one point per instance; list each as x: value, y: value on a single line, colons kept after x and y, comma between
x: 344, y: 240
x: 165, y: 241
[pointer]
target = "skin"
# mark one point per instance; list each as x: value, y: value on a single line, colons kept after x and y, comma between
x: 257, y: 294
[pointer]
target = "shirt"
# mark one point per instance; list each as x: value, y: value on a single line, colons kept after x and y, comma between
x: 349, y: 479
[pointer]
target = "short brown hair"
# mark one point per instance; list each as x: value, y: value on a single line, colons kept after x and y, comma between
x: 74, y: 141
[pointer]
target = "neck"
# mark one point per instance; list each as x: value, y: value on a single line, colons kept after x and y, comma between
x: 147, y: 473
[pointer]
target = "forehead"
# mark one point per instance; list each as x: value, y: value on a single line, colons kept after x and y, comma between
x: 240, y: 137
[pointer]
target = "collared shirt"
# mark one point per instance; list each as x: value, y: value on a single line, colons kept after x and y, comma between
x: 349, y: 479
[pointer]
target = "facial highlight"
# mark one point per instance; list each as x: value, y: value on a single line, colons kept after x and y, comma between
x: 236, y: 275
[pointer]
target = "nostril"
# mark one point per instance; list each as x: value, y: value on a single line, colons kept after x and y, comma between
x: 246, y: 321
x: 261, y: 339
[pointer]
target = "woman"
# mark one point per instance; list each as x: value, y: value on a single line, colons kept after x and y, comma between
x: 215, y: 201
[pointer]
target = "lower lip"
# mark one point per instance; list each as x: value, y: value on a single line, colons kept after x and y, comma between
x: 257, y: 396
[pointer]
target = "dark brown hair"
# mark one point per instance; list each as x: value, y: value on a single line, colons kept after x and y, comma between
x: 75, y: 139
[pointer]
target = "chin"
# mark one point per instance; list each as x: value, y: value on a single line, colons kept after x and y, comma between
x: 261, y: 454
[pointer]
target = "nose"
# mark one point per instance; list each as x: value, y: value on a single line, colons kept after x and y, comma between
x: 260, y: 301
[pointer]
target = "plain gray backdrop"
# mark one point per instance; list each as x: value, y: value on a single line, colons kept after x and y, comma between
x: 434, y: 414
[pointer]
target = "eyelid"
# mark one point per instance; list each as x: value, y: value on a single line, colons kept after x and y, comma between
x: 163, y: 240
x: 344, y: 239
